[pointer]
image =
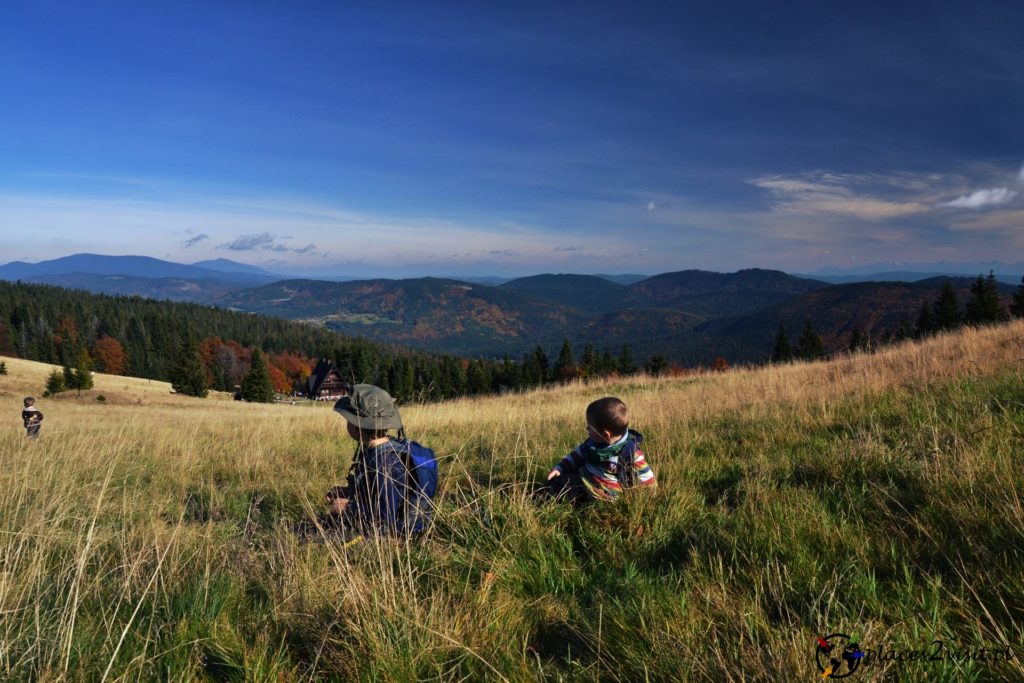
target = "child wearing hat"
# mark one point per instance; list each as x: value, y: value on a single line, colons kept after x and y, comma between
x: 381, y: 496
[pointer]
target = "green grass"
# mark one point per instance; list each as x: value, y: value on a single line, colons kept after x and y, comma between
x: 135, y: 550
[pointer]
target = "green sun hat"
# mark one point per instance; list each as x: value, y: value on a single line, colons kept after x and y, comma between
x: 369, y: 407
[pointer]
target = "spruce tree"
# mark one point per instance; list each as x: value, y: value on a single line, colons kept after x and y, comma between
x: 187, y: 375
x: 627, y: 366
x: 83, y: 372
x: 564, y: 367
x: 478, y: 380
x: 947, y: 308
x: 656, y: 365
x: 984, y: 307
x: 810, y: 345
x: 537, y: 366
x: 856, y: 339
x: 55, y: 382
x: 256, y: 385
x: 3, y: 368
x: 783, y: 352
x: 925, y: 320
x: 589, y: 360
x: 1017, y: 307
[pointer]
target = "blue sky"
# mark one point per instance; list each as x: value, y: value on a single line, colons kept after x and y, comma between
x: 475, y: 138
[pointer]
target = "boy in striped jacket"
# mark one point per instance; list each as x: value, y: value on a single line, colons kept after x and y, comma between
x: 609, y: 461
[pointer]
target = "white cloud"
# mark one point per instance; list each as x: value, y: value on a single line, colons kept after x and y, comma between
x: 651, y: 206
x: 1020, y: 175
x: 871, y: 198
x: 982, y: 198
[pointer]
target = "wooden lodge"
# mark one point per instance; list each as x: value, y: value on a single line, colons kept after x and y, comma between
x: 326, y: 383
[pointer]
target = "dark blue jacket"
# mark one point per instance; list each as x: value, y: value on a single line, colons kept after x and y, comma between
x: 379, y: 483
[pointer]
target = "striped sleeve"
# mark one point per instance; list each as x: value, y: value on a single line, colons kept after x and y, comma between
x: 644, y: 473
x: 571, y: 462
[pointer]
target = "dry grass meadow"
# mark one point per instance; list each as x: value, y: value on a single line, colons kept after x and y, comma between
x: 149, y: 536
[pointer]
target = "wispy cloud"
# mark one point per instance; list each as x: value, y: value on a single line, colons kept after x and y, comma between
x: 194, y: 240
x: 249, y: 242
x: 864, y: 197
x: 306, y: 249
x: 569, y: 247
x: 982, y: 198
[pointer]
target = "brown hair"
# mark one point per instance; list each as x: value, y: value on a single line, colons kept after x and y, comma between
x: 609, y: 414
x: 29, y: 401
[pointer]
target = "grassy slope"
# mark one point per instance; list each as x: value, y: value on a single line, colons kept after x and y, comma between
x: 147, y: 537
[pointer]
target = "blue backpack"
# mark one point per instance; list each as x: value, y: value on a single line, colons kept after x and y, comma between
x: 422, y: 465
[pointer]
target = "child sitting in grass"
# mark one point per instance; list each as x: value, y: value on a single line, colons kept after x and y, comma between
x: 609, y: 461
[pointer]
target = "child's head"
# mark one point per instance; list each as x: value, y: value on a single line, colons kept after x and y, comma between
x: 29, y: 401
x: 365, y: 435
x: 607, y: 419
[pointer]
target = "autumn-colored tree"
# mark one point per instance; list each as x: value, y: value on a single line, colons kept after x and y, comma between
x: 108, y: 356
x: 719, y: 365
x: 208, y: 349
x: 68, y: 330
x: 295, y: 367
x: 278, y: 379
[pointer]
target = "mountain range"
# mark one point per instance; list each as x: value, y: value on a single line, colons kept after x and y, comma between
x: 688, y: 316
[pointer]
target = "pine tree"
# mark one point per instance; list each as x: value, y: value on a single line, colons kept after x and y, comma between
x: 656, y: 365
x: 83, y: 372
x: 1017, y: 307
x: 188, y: 376
x: 627, y: 366
x: 564, y: 368
x: 925, y: 320
x: 589, y: 360
x: 783, y: 352
x: 69, y: 376
x: 536, y: 367
x: 607, y: 364
x: 478, y: 380
x: 55, y: 382
x: 3, y: 368
x: 947, y: 308
x: 256, y: 385
x: 984, y: 307
x: 856, y: 339
x: 810, y: 345
x: 860, y: 340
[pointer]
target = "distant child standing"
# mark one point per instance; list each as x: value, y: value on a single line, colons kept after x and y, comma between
x: 609, y: 461
x: 32, y: 417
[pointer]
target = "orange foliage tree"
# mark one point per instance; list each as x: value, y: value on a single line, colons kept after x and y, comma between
x: 108, y: 356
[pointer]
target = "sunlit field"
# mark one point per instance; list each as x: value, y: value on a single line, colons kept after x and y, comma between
x: 150, y: 536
